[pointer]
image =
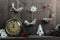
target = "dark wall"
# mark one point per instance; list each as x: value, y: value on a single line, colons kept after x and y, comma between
x: 58, y: 11
x: 5, y: 14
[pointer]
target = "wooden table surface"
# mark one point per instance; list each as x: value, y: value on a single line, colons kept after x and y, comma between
x: 32, y: 38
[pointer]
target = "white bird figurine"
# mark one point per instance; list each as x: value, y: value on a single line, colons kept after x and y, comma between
x: 30, y: 23
x: 3, y: 33
x: 40, y: 30
x: 16, y: 10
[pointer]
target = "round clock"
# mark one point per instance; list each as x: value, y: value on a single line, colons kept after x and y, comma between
x: 13, y: 27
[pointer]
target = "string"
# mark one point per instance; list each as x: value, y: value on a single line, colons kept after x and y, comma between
x: 32, y: 5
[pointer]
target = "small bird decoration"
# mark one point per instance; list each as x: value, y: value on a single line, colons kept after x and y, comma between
x: 3, y: 33
x: 40, y: 30
x: 30, y: 23
x: 16, y: 9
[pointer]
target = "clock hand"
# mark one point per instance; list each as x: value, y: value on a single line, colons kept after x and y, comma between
x: 12, y: 24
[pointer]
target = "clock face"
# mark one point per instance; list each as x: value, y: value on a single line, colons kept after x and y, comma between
x: 13, y: 27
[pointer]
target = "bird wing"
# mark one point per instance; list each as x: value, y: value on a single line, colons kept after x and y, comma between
x: 19, y: 9
x: 33, y: 22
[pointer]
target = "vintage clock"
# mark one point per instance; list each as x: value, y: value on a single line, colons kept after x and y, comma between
x: 13, y: 27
